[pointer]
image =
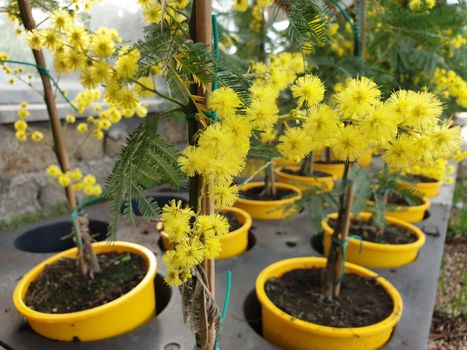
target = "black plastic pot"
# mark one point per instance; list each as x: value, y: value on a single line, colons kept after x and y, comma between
x: 50, y: 238
x: 161, y: 199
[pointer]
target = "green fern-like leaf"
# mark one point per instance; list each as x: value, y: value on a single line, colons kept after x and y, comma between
x: 146, y: 161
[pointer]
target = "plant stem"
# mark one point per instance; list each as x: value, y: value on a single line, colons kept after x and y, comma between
x: 340, y: 266
x: 330, y: 273
x: 327, y: 153
x: 87, y: 257
x: 385, y: 202
x: 269, y: 182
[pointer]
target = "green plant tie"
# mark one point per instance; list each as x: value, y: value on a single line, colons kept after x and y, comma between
x: 44, y: 71
x: 356, y: 36
x: 226, y: 305
x: 208, y: 114
x: 78, y: 212
x: 343, y: 245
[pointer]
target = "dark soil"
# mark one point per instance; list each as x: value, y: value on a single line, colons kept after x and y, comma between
x: 392, y: 234
x: 257, y: 194
x: 421, y: 178
x: 362, y: 301
x: 61, y: 288
x: 233, y: 222
x: 394, y: 199
x: 302, y: 173
x: 448, y: 332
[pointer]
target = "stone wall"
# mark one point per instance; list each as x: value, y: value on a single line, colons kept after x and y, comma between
x: 24, y: 185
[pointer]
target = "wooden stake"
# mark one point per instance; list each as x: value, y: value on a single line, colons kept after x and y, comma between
x: 57, y: 132
x: 87, y: 257
x: 203, y: 33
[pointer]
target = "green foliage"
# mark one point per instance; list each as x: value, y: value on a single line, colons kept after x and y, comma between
x: 361, y: 187
x: 307, y: 20
x: 376, y: 185
x: 259, y: 150
x: 185, y: 63
x: 386, y: 183
x: 403, y: 47
x: 146, y: 161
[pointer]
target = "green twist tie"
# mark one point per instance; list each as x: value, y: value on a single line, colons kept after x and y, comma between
x: 44, y: 71
x: 355, y: 33
x: 208, y: 114
x: 343, y: 245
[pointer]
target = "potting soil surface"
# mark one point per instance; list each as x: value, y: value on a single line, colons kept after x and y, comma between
x: 233, y: 222
x: 392, y: 234
x: 257, y: 194
x: 301, y: 173
x: 61, y: 288
x: 362, y: 301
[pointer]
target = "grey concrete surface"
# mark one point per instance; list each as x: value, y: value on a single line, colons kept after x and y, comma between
x: 416, y: 282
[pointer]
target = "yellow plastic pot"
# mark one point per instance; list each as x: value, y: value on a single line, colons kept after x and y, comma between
x: 305, y: 182
x: 269, y: 210
x: 366, y: 158
x: 234, y: 243
x: 282, y: 162
x: 114, y: 318
x: 409, y: 213
x: 290, y: 333
x: 336, y: 169
x: 428, y: 189
x: 378, y: 255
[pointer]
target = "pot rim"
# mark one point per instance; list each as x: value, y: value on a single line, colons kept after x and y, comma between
x: 245, y: 226
x: 301, y: 177
x: 388, y: 322
x: 414, y: 230
x: 23, y: 284
x: 262, y: 203
x: 404, y: 208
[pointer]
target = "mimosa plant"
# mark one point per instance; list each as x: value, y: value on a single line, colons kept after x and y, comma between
x: 72, y: 180
x: 118, y: 76
x: 405, y: 128
x: 408, y: 44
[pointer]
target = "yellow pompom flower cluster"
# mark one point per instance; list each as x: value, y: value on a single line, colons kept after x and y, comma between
x: 222, y: 147
x: 193, y: 237
x: 421, y: 4
x: 435, y: 170
x: 257, y: 11
x: 87, y: 184
x: 22, y: 128
x: 240, y: 5
x: 340, y: 42
x: 152, y: 11
x: 270, y: 79
x: 100, y: 59
x: 457, y: 42
x: 405, y: 128
x: 448, y: 83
